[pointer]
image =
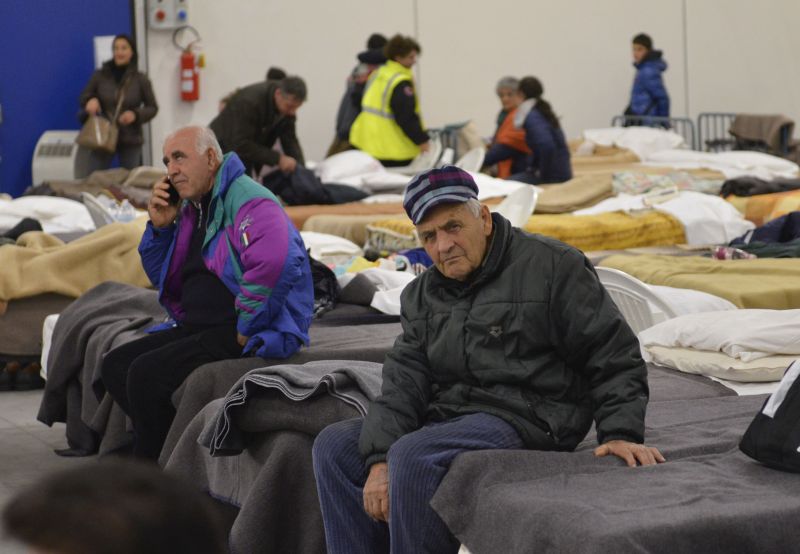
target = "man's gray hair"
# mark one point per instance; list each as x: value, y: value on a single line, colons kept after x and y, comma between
x: 293, y: 86
x: 511, y: 83
x: 204, y: 139
x: 474, y: 206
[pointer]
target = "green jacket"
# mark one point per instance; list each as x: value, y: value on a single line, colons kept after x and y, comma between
x: 532, y: 337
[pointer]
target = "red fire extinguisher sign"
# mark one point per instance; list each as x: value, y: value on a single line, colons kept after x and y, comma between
x: 190, y: 82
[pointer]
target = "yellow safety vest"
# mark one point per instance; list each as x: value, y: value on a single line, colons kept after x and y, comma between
x: 375, y: 131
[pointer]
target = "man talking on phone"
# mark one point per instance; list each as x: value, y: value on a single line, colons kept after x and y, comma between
x: 232, y: 273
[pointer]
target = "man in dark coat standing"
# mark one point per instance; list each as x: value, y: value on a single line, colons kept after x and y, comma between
x: 256, y: 117
x: 509, y: 341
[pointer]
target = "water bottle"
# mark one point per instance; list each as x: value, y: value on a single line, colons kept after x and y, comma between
x: 125, y: 212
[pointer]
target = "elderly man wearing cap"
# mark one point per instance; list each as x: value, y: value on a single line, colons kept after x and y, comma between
x: 509, y: 341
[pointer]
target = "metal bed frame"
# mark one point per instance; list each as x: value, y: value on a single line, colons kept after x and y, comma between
x: 714, y: 135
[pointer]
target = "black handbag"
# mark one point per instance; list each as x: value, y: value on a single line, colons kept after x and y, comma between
x: 773, y: 437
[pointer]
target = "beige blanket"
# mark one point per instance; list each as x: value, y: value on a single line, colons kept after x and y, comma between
x: 41, y: 263
x: 769, y: 283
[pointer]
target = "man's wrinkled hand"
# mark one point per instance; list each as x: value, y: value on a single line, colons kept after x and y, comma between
x: 376, y: 492
x: 633, y: 454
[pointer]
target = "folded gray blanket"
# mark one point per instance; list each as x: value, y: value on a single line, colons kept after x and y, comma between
x: 354, y: 383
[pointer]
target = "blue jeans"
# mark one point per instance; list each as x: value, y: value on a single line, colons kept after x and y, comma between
x: 417, y: 463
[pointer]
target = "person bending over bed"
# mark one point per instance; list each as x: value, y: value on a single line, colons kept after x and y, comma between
x: 509, y: 341
x: 256, y: 116
x: 508, y: 150
x: 549, y: 160
x: 389, y: 127
x: 232, y: 273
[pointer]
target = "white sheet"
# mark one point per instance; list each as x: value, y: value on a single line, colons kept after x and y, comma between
x: 642, y: 141
x: 47, y: 340
x: 706, y: 219
x: 744, y: 334
x: 731, y: 164
x: 323, y: 245
x: 57, y: 215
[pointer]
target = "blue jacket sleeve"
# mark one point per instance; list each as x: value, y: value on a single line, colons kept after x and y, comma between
x: 153, y: 250
x: 539, y: 138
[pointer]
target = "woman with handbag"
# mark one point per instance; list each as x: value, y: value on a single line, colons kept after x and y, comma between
x: 123, y: 95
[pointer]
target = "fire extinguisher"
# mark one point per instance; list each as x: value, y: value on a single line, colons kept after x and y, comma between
x: 190, y: 64
x: 190, y: 82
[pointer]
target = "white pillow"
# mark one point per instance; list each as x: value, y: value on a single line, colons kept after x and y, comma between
x: 324, y: 245
x: 690, y: 301
x: 717, y: 364
x: 346, y: 165
x: 745, y: 334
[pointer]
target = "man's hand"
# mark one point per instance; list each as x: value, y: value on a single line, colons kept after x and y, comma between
x: 287, y: 164
x: 161, y: 212
x: 376, y: 492
x: 631, y: 452
x: 126, y: 118
x: 425, y: 146
x: 241, y: 339
x: 92, y: 106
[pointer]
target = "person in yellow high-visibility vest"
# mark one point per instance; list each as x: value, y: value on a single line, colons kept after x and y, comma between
x: 390, y: 127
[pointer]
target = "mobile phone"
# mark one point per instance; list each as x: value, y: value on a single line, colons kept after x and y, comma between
x: 174, y: 197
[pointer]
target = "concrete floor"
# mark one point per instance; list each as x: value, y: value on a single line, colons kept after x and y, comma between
x: 26, y: 449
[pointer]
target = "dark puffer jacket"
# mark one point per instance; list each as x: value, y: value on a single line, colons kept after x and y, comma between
x: 139, y: 99
x: 532, y: 338
x: 251, y: 123
x: 648, y: 95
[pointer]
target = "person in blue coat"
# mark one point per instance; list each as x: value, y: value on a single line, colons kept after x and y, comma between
x: 549, y: 161
x: 648, y: 96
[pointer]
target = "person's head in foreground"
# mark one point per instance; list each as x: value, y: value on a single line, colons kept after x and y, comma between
x: 452, y: 225
x: 114, y: 507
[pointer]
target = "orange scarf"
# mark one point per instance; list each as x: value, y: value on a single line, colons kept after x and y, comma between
x: 510, y: 136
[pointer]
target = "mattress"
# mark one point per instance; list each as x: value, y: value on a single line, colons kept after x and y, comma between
x: 761, y: 208
x: 21, y: 325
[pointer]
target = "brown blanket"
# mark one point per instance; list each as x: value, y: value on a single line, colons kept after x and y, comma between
x: 41, y: 263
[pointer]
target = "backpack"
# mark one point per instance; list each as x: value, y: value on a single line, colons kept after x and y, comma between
x: 773, y: 437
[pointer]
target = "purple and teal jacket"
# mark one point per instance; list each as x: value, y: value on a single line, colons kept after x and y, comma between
x: 253, y: 247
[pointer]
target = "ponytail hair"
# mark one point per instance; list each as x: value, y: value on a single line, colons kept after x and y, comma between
x: 531, y: 87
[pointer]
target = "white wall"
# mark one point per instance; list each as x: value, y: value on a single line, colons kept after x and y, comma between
x: 740, y: 56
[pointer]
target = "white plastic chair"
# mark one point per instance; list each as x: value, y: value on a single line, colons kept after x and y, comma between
x: 518, y: 206
x: 424, y: 161
x: 640, y: 305
x: 472, y: 160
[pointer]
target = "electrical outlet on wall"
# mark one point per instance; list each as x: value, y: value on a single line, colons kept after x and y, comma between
x: 167, y: 14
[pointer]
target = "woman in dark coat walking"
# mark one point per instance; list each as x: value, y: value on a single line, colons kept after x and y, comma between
x: 100, y: 96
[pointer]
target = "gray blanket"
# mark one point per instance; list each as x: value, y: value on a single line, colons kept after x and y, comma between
x: 354, y: 383
x: 368, y: 343
x: 103, y: 318
x: 272, y: 479
x: 708, y: 497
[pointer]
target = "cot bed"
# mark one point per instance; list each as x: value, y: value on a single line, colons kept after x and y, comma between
x: 761, y: 208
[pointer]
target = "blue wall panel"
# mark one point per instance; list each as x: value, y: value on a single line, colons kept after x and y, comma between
x: 46, y: 58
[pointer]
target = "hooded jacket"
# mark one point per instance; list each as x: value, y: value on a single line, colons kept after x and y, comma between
x: 648, y: 96
x: 532, y: 337
x: 252, y: 246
